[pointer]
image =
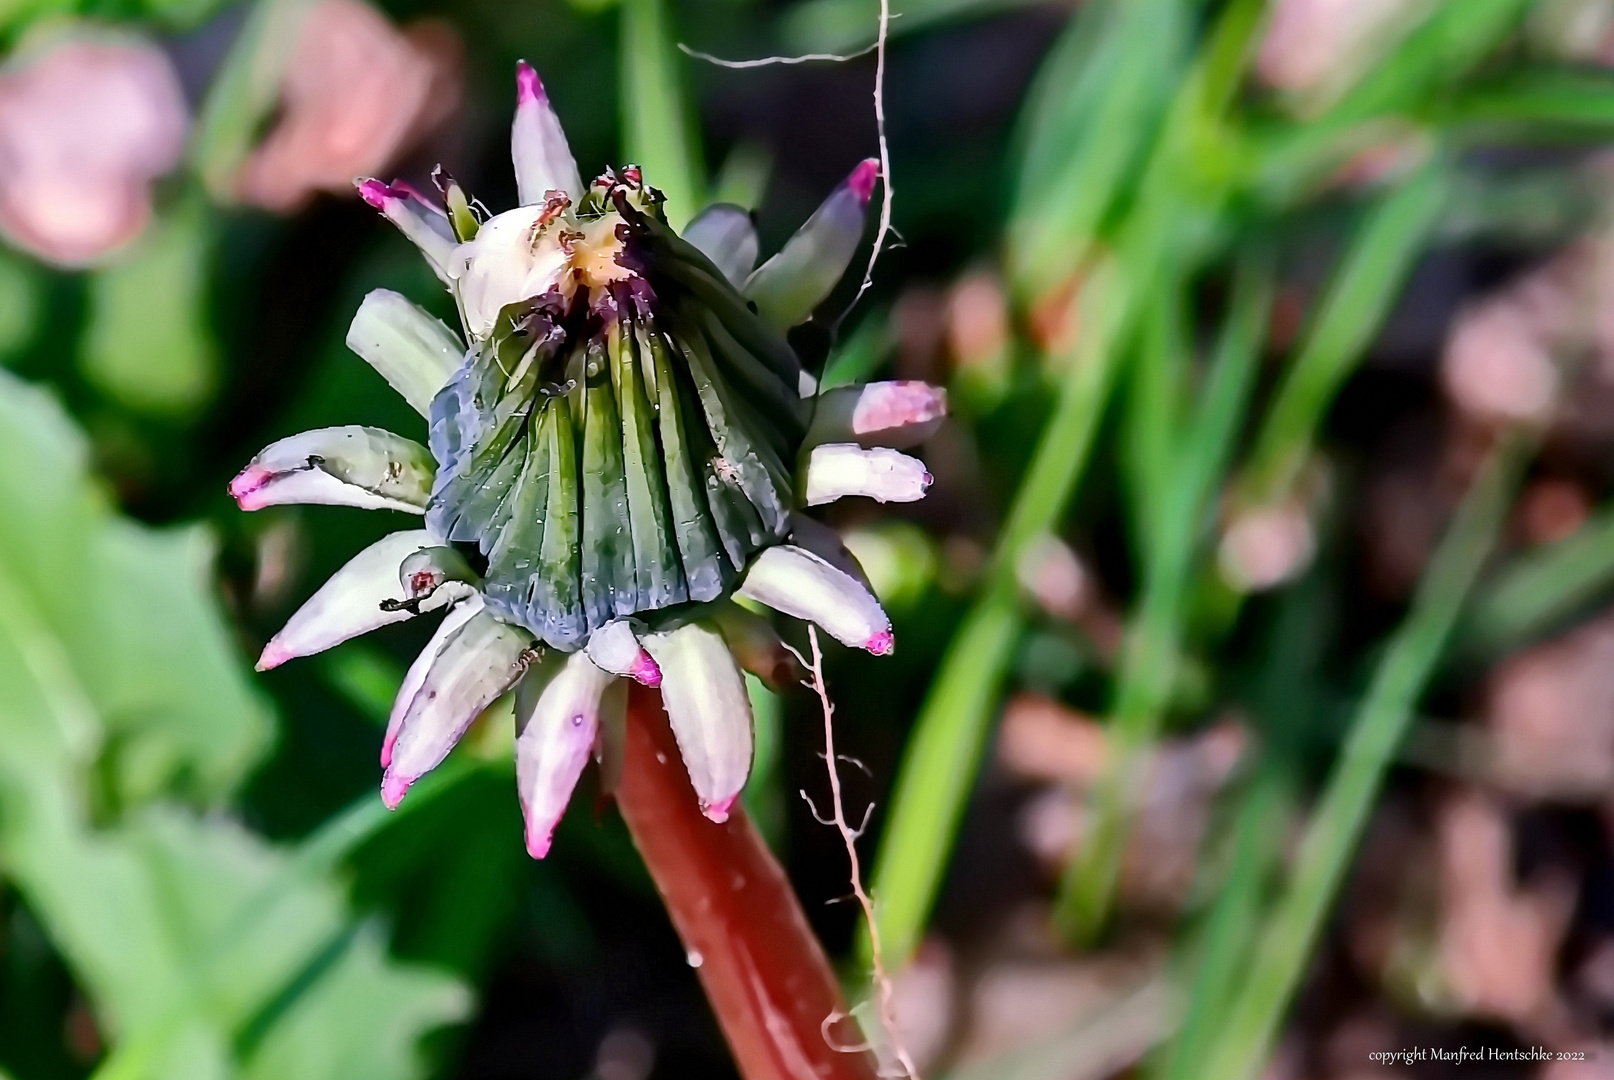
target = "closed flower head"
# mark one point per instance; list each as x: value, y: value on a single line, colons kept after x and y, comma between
x: 620, y: 439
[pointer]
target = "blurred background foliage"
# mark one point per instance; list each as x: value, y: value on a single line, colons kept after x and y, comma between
x: 1254, y: 708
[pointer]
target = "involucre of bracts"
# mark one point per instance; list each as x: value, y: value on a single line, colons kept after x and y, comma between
x: 620, y: 440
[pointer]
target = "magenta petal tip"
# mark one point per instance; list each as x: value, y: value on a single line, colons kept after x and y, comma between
x: 862, y: 179
x: 529, y: 87
x: 538, y: 846
x: 882, y: 643
x: 646, y: 671
x: 386, y: 750
x: 393, y: 789
x: 245, y: 487
x: 273, y: 655
x: 373, y: 192
x: 719, y: 811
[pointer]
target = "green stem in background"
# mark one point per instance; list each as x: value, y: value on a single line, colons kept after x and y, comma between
x: 939, y: 764
x: 1276, y: 969
x: 1541, y: 589
x: 1089, y: 118
x: 659, y: 133
x: 1287, y: 702
x: 1234, y: 920
x: 1144, y: 685
x: 1369, y: 279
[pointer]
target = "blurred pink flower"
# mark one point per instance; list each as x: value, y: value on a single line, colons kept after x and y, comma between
x: 1498, y: 368
x: 85, y: 127
x: 1318, y: 45
x: 1266, y: 546
x: 1551, y: 712
x: 357, y: 93
x: 1499, y: 939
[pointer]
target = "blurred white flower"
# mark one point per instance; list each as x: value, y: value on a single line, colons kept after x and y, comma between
x: 86, y: 125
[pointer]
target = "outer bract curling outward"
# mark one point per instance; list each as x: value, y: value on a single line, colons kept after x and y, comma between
x: 620, y: 438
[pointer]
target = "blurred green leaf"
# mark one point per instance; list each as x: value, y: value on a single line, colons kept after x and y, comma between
x: 658, y: 125
x: 148, y: 344
x: 114, y: 623
x: 118, y: 684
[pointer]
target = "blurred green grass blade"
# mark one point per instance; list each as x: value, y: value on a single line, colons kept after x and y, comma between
x: 366, y: 677
x: 1566, y: 102
x: 1402, y: 89
x: 1286, y: 706
x: 1443, y: 48
x: 658, y: 126
x: 764, y: 794
x: 1154, y: 639
x: 857, y: 358
x: 939, y: 764
x: 743, y: 177
x: 1541, y: 589
x: 1154, y: 400
x: 243, y: 94
x: 1234, y: 920
x: 844, y: 26
x: 1091, y: 115
x: 1358, y: 298
x: 1279, y: 963
x: 1121, y: 1026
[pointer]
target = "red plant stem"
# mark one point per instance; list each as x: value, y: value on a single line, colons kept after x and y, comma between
x: 764, y: 972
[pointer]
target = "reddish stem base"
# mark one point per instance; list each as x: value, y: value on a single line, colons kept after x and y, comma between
x: 763, y: 970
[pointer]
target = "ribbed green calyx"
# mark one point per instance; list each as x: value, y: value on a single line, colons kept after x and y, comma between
x: 621, y: 444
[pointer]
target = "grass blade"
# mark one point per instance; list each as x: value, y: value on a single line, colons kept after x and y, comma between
x: 1399, y: 680
x: 1367, y: 282
x: 658, y: 129
x: 1542, y: 589
x: 1154, y: 640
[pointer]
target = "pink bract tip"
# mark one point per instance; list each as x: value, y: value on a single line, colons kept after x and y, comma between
x: 374, y: 192
x: 274, y: 654
x: 386, y: 749
x: 393, y: 789
x: 926, y: 481
x: 719, y: 811
x: 245, y: 488
x: 645, y: 670
x: 538, y: 846
x: 529, y: 87
x: 882, y: 643
x: 862, y: 179
x: 901, y: 403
